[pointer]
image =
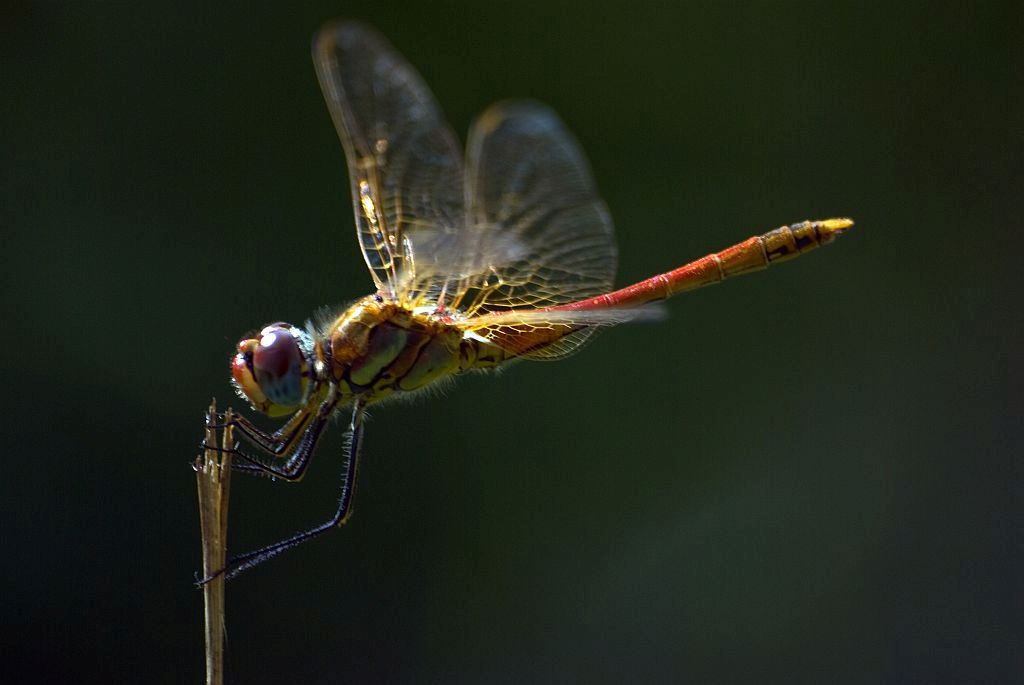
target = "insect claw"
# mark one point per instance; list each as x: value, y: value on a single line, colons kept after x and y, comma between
x: 214, y: 448
x: 200, y: 582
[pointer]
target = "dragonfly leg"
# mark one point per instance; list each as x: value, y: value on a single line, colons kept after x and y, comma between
x: 294, y: 467
x: 240, y: 563
x: 291, y: 470
x: 304, y: 423
x: 279, y: 442
x: 247, y: 463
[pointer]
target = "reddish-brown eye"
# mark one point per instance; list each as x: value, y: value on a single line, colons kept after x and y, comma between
x: 277, y: 366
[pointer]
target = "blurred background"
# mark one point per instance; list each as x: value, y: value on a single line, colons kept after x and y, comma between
x: 811, y: 474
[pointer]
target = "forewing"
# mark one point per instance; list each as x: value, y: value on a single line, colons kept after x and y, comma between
x: 404, y: 162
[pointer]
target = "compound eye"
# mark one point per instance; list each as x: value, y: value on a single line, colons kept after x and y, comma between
x: 277, y: 365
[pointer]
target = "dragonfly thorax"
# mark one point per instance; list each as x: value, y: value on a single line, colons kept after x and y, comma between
x: 377, y: 348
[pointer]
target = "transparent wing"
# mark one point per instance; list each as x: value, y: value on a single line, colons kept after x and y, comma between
x: 404, y: 162
x: 538, y: 235
x: 546, y: 334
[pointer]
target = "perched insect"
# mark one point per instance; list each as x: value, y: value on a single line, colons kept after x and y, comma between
x: 507, y: 255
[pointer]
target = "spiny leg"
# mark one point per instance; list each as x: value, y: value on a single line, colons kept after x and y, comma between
x: 298, y: 425
x: 297, y: 452
x: 277, y: 443
x: 295, y: 466
x: 240, y: 563
x: 282, y: 440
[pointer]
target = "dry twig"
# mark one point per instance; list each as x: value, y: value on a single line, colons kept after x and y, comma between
x: 213, y: 478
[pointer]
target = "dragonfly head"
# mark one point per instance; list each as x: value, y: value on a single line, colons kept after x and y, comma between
x: 273, y: 370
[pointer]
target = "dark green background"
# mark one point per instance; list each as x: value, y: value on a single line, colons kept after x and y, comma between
x: 812, y: 474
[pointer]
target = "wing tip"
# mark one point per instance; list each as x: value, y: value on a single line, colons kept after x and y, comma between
x: 518, y: 109
x: 342, y: 32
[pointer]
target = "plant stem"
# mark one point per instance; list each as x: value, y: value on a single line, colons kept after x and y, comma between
x: 213, y: 479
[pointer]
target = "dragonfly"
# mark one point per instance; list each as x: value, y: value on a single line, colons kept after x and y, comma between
x: 501, y: 254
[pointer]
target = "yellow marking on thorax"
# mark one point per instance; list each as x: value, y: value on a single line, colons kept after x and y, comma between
x: 379, y: 349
